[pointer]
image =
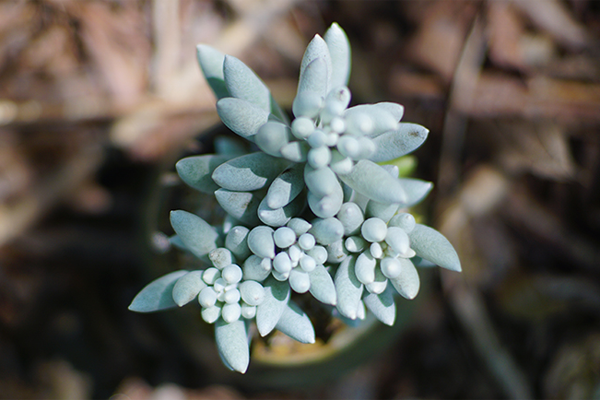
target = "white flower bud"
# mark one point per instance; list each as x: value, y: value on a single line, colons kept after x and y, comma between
x: 282, y: 263
x: 307, y: 263
x: 210, y: 275
x: 319, y: 157
x: 231, y: 312
x: 318, y: 253
x: 232, y: 274
x: 260, y: 241
x: 365, y: 268
x: 373, y: 230
x: 253, y: 293
x: 390, y: 267
x: 397, y: 239
x: 248, y: 311
x: 299, y: 281
x: 337, y: 125
x: 211, y: 314
x: 306, y: 241
x: 284, y: 237
x: 317, y: 139
x: 232, y: 296
x: 302, y: 127
x: 376, y: 250
x: 207, y: 297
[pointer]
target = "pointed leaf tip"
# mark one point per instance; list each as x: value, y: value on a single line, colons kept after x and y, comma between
x: 433, y: 246
x: 157, y: 295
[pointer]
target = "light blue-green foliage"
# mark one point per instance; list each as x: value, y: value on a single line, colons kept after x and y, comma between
x: 310, y: 212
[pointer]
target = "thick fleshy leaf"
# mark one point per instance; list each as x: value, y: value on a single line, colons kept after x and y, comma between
x: 249, y: 172
x: 336, y: 252
x: 382, y: 306
x: 195, y: 233
x: 408, y: 282
x: 272, y: 136
x: 416, y: 190
x: 317, y: 48
x: 433, y: 246
x: 244, y: 84
x: 314, y: 78
x: 241, y: 116
x: 374, y: 182
x: 295, y: 323
x: 268, y: 313
x: 365, y: 268
x: 404, y: 140
x: 321, y: 182
x: 348, y: 288
x: 211, y: 64
x: 286, y: 187
x: 339, y: 49
x: 236, y: 242
x: 395, y: 109
x: 242, y: 206
x: 326, y: 206
x: 187, y: 287
x: 383, y: 211
x: 322, y: 286
x: 280, y: 216
x: 327, y: 230
x: 158, y: 294
x: 383, y: 120
x: 351, y: 217
x: 296, y: 151
x: 196, y: 171
x: 232, y: 342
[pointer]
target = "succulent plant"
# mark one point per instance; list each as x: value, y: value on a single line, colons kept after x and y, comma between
x: 310, y: 211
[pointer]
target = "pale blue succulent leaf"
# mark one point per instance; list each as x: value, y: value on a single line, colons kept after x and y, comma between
x: 317, y: 49
x: 242, y: 206
x: 397, y: 143
x: 382, y: 306
x: 295, y: 151
x: 286, y: 187
x: 408, y: 282
x: 327, y: 230
x: 241, y: 116
x: 249, y: 172
x: 196, y: 171
x: 416, y: 190
x: 211, y: 64
x: 232, y: 343
x: 383, y: 211
x: 395, y: 109
x: 314, y: 78
x: 374, y: 182
x: 339, y: 49
x: 295, y: 323
x: 268, y: 313
x: 272, y: 136
x: 321, y: 285
x: 244, y: 84
x: 326, y: 206
x: 433, y: 246
x: 158, y: 294
x: 187, y: 287
x: 321, y: 182
x: 383, y: 120
x: 196, y: 234
x: 336, y: 252
x: 348, y: 288
x: 280, y: 216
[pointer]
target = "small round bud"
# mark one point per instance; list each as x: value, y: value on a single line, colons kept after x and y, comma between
x: 210, y: 275
x: 231, y: 312
x: 232, y: 296
x: 332, y: 139
x: 280, y: 276
x: 337, y: 125
x: 307, y: 263
x: 299, y: 281
x: 207, y: 297
x: 248, y: 311
x: 260, y: 241
x: 306, y: 241
x: 299, y: 226
x: 354, y: 244
x: 284, y: 237
x: 318, y: 253
x: 390, y: 267
x: 317, y: 139
x: 319, y: 157
x: 374, y: 230
x: 211, y: 314
x: 295, y: 253
x: 221, y: 257
x: 405, y: 221
x: 376, y: 250
x: 302, y: 127
x: 219, y: 285
x: 232, y: 274
x: 253, y: 293
x: 282, y: 263
x: 349, y: 146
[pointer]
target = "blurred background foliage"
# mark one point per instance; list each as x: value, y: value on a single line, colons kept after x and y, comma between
x: 96, y: 95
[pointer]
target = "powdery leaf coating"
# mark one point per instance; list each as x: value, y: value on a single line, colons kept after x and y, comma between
x: 236, y: 242
x: 372, y: 181
x: 433, y: 246
x: 314, y: 78
x: 295, y: 323
x: 404, y: 140
x: 252, y: 292
x: 317, y: 48
x: 321, y: 285
x: 286, y: 187
x: 196, y: 171
x: 272, y: 136
x: 405, y: 221
x: 241, y: 116
x: 365, y: 268
x: 232, y: 342
x: 261, y: 242
x: 327, y: 231
x: 240, y: 205
x: 339, y: 49
x: 326, y: 206
x: 348, y: 288
x: 299, y: 281
x: 256, y: 268
x: 351, y: 217
x: 321, y: 182
x: 295, y: 151
x: 299, y: 226
x: 250, y: 172
x: 268, y: 313
x: 382, y: 306
x: 187, y: 287
x: 158, y: 294
x: 211, y: 64
x: 280, y: 216
x: 408, y: 282
x: 397, y: 239
x: 336, y: 252
x: 195, y: 233
x: 416, y: 190
x: 383, y: 120
x: 244, y: 84
x: 395, y: 109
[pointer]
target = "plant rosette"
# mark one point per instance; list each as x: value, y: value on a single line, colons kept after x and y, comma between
x: 316, y: 215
